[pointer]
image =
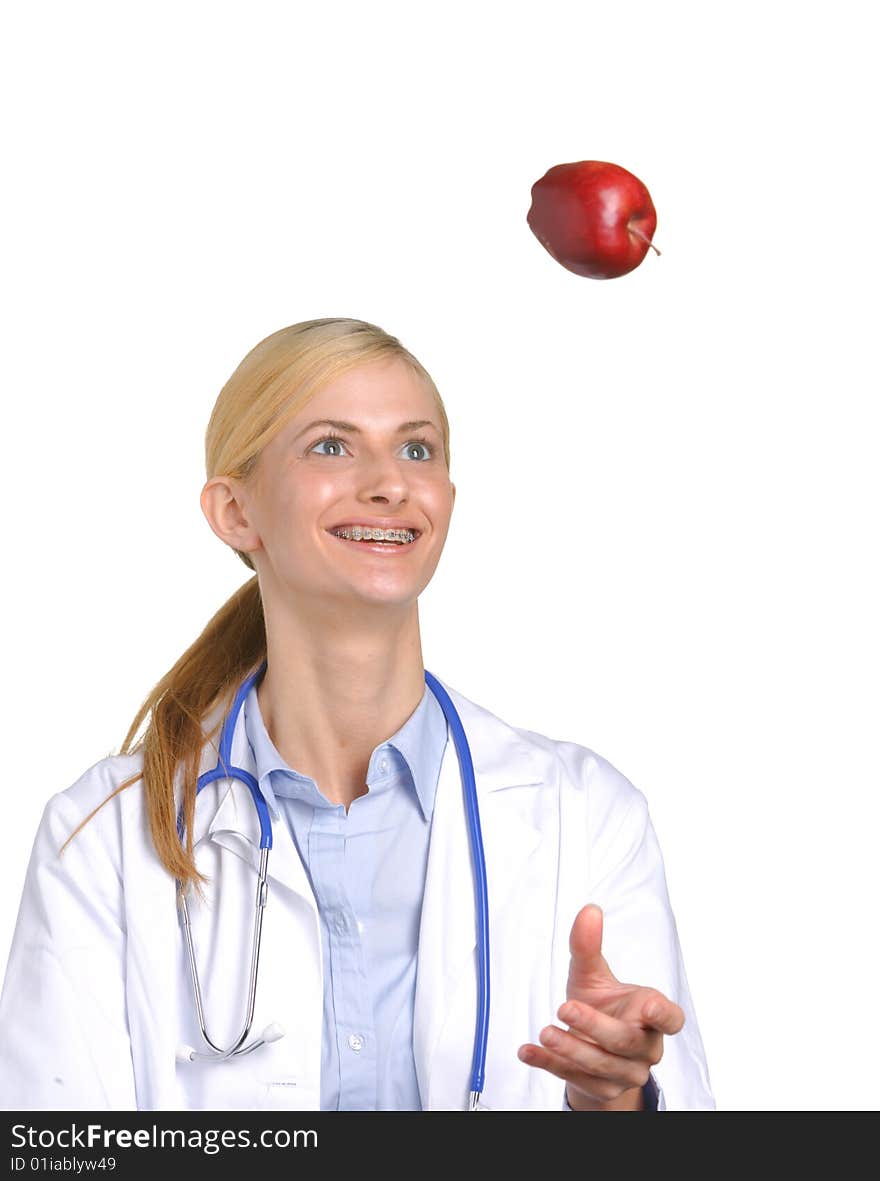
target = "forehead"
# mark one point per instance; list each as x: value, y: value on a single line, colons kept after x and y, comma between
x: 380, y: 393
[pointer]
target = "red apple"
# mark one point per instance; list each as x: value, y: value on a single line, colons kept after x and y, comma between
x: 596, y: 219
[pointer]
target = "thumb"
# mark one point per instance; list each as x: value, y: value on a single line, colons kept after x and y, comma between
x: 587, y: 966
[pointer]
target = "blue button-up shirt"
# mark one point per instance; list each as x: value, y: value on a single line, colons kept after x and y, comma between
x: 367, y: 872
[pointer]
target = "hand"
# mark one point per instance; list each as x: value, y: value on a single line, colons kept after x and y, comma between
x: 615, y: 1031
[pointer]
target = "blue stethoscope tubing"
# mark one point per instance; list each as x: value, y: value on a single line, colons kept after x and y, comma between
x: 226, y: 770
x: 481, y: 891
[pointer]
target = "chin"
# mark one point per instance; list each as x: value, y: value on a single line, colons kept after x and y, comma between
x: 396, y: 598
x: 340, y: 598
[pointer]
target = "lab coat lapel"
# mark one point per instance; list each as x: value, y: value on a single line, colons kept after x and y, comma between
x: 235, y: 827
x: 225, y: 814
x: 448, y: 933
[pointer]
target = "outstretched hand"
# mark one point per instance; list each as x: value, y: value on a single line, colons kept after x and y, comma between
x: 615, y: 1031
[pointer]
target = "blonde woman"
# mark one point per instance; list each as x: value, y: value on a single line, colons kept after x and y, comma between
x: 328, y: 471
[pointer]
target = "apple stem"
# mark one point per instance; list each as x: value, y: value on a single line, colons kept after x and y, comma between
x: 644, y: 237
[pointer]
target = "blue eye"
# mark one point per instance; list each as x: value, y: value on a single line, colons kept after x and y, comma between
x: 327, y: 439
x: 426, y: 447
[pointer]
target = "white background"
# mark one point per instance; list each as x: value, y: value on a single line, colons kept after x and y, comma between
x: 664, y: 545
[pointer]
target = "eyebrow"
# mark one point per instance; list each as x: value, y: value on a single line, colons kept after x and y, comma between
x: 415, y: 424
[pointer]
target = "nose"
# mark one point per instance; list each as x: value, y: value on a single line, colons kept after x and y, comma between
x: 384, y: 479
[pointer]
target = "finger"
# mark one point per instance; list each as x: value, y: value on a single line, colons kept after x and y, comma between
x: 662, y: 1014
x: 592, y: 1060
x: 626, y: 1039
x: 585, y: 947
x: 586, y: 1068
x: 601, y: 1089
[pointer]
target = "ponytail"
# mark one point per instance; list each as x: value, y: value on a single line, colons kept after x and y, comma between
x: 232, y: 645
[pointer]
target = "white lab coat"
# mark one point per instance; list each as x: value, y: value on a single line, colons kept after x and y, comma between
x: 97, y: 996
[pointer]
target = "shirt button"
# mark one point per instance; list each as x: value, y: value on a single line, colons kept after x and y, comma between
x: 383, y: 764
x: 356, y: 1042
x: 341, y: 924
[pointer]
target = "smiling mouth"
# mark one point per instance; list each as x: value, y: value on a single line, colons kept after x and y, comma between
x: 375, y: 536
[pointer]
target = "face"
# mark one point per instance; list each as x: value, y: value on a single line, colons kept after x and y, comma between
x: 372, y: 467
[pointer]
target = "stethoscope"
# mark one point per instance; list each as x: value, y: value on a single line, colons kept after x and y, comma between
x: 226, y: 770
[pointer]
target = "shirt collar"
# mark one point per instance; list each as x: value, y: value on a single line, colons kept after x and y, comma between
x: 420, y: 743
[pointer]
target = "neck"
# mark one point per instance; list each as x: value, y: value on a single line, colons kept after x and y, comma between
x: 333, y: 691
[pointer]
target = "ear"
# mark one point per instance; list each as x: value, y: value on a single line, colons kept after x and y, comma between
x: 222, y: 504
x: 452, y: 486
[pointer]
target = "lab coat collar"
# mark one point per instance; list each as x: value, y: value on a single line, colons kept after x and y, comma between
x: 501, y: 759
x: 225, y: 812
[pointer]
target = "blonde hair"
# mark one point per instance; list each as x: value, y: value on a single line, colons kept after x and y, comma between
x: 272, y: 383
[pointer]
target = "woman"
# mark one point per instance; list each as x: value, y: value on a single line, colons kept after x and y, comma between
x: 327, y: 433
